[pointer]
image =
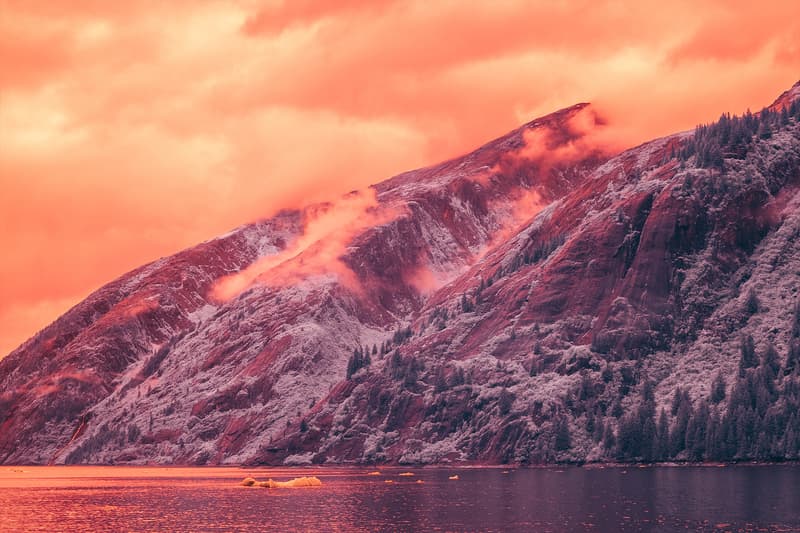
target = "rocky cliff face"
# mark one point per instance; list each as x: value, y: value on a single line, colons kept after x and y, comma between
x: 535, y: 300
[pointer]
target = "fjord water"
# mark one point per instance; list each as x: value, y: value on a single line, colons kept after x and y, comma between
x: 729, y: 498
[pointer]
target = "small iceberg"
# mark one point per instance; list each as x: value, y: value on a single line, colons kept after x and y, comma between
x: 305, y: 481
x: 453, y: 477
x: 376, y: 473
x: 405, y: 474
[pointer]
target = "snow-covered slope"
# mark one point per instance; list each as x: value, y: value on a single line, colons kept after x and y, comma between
x: 502, y: 306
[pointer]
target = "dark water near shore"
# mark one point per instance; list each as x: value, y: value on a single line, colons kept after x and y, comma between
x: 731, y: 498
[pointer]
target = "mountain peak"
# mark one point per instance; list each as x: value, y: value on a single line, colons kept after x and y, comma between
x: 542, y: 135
x: 787, y: 97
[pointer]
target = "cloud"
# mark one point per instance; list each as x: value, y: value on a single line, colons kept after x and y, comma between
x: 129, y: 130
x: 585, y: 134
x: 327, y: 232
x: 739, y: 30
x: 277, y: 16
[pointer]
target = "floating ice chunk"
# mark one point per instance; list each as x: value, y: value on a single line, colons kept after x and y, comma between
x: 374, y: 474
x: 310, y: 481
x: 405, y: 474
x: 453, y: 477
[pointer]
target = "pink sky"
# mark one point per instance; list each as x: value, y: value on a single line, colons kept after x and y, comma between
x: 130, y: 130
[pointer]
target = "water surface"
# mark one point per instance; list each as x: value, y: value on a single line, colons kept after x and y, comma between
x: 731, y: 498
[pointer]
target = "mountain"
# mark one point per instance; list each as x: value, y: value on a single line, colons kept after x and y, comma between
x: 539, y: 299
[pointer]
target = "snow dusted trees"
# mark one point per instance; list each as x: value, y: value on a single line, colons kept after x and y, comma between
x: 732, y: 136
x: 792, y: 357
x: 793, y: 353
x: 357, y: 361
x: 637, y: 436
x: 717, y: 389
x: 563, y: 440
x: 747, y: 356
x: 466, y: 304
x: 682, y: 411
x: 752, y: 303
x: 759, y: 421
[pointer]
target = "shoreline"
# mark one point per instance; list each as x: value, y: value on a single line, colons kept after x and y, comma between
x: 459, y: 466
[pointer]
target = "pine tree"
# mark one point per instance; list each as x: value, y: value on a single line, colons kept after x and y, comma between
x: 616, y: 409
x: 747, y: 357
x: 647, y: 421
x: 505, y: 401
x: 563, y: 440
x: 353, y: 364
x: 466, y: 305
x: 662, y: 437
x: 677, y: 400
x: 792, y: 357
x: 412, y: 370
x: 358, y: 360
x: 764, y: 131
x: 440, y: 380
x: 607, y: 374
x: 696, y: 432
x: 649, y: 440
x: 396, y: 364
x: 636, y: 435
x: 609, y: 440
x: 597, y: 434
x: 726, y: 446
x: 752, y: 302
x: 713, y: 440
x: 770, y: 361
x: 590, y: 422
x: 791, y: 438
x: 745, y: 432
x: 629, y: 438
x: 682, y: 416
x: 717, y: 389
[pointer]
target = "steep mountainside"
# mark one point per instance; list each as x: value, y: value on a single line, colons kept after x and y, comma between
x: 535, y: 300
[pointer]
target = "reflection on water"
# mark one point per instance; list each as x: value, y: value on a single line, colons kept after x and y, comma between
x: 744, y: 498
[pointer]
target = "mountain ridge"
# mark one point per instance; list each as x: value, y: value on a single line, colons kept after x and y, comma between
x: 494, y: 283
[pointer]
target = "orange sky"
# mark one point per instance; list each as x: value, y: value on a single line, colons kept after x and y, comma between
x: 129, y: 130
